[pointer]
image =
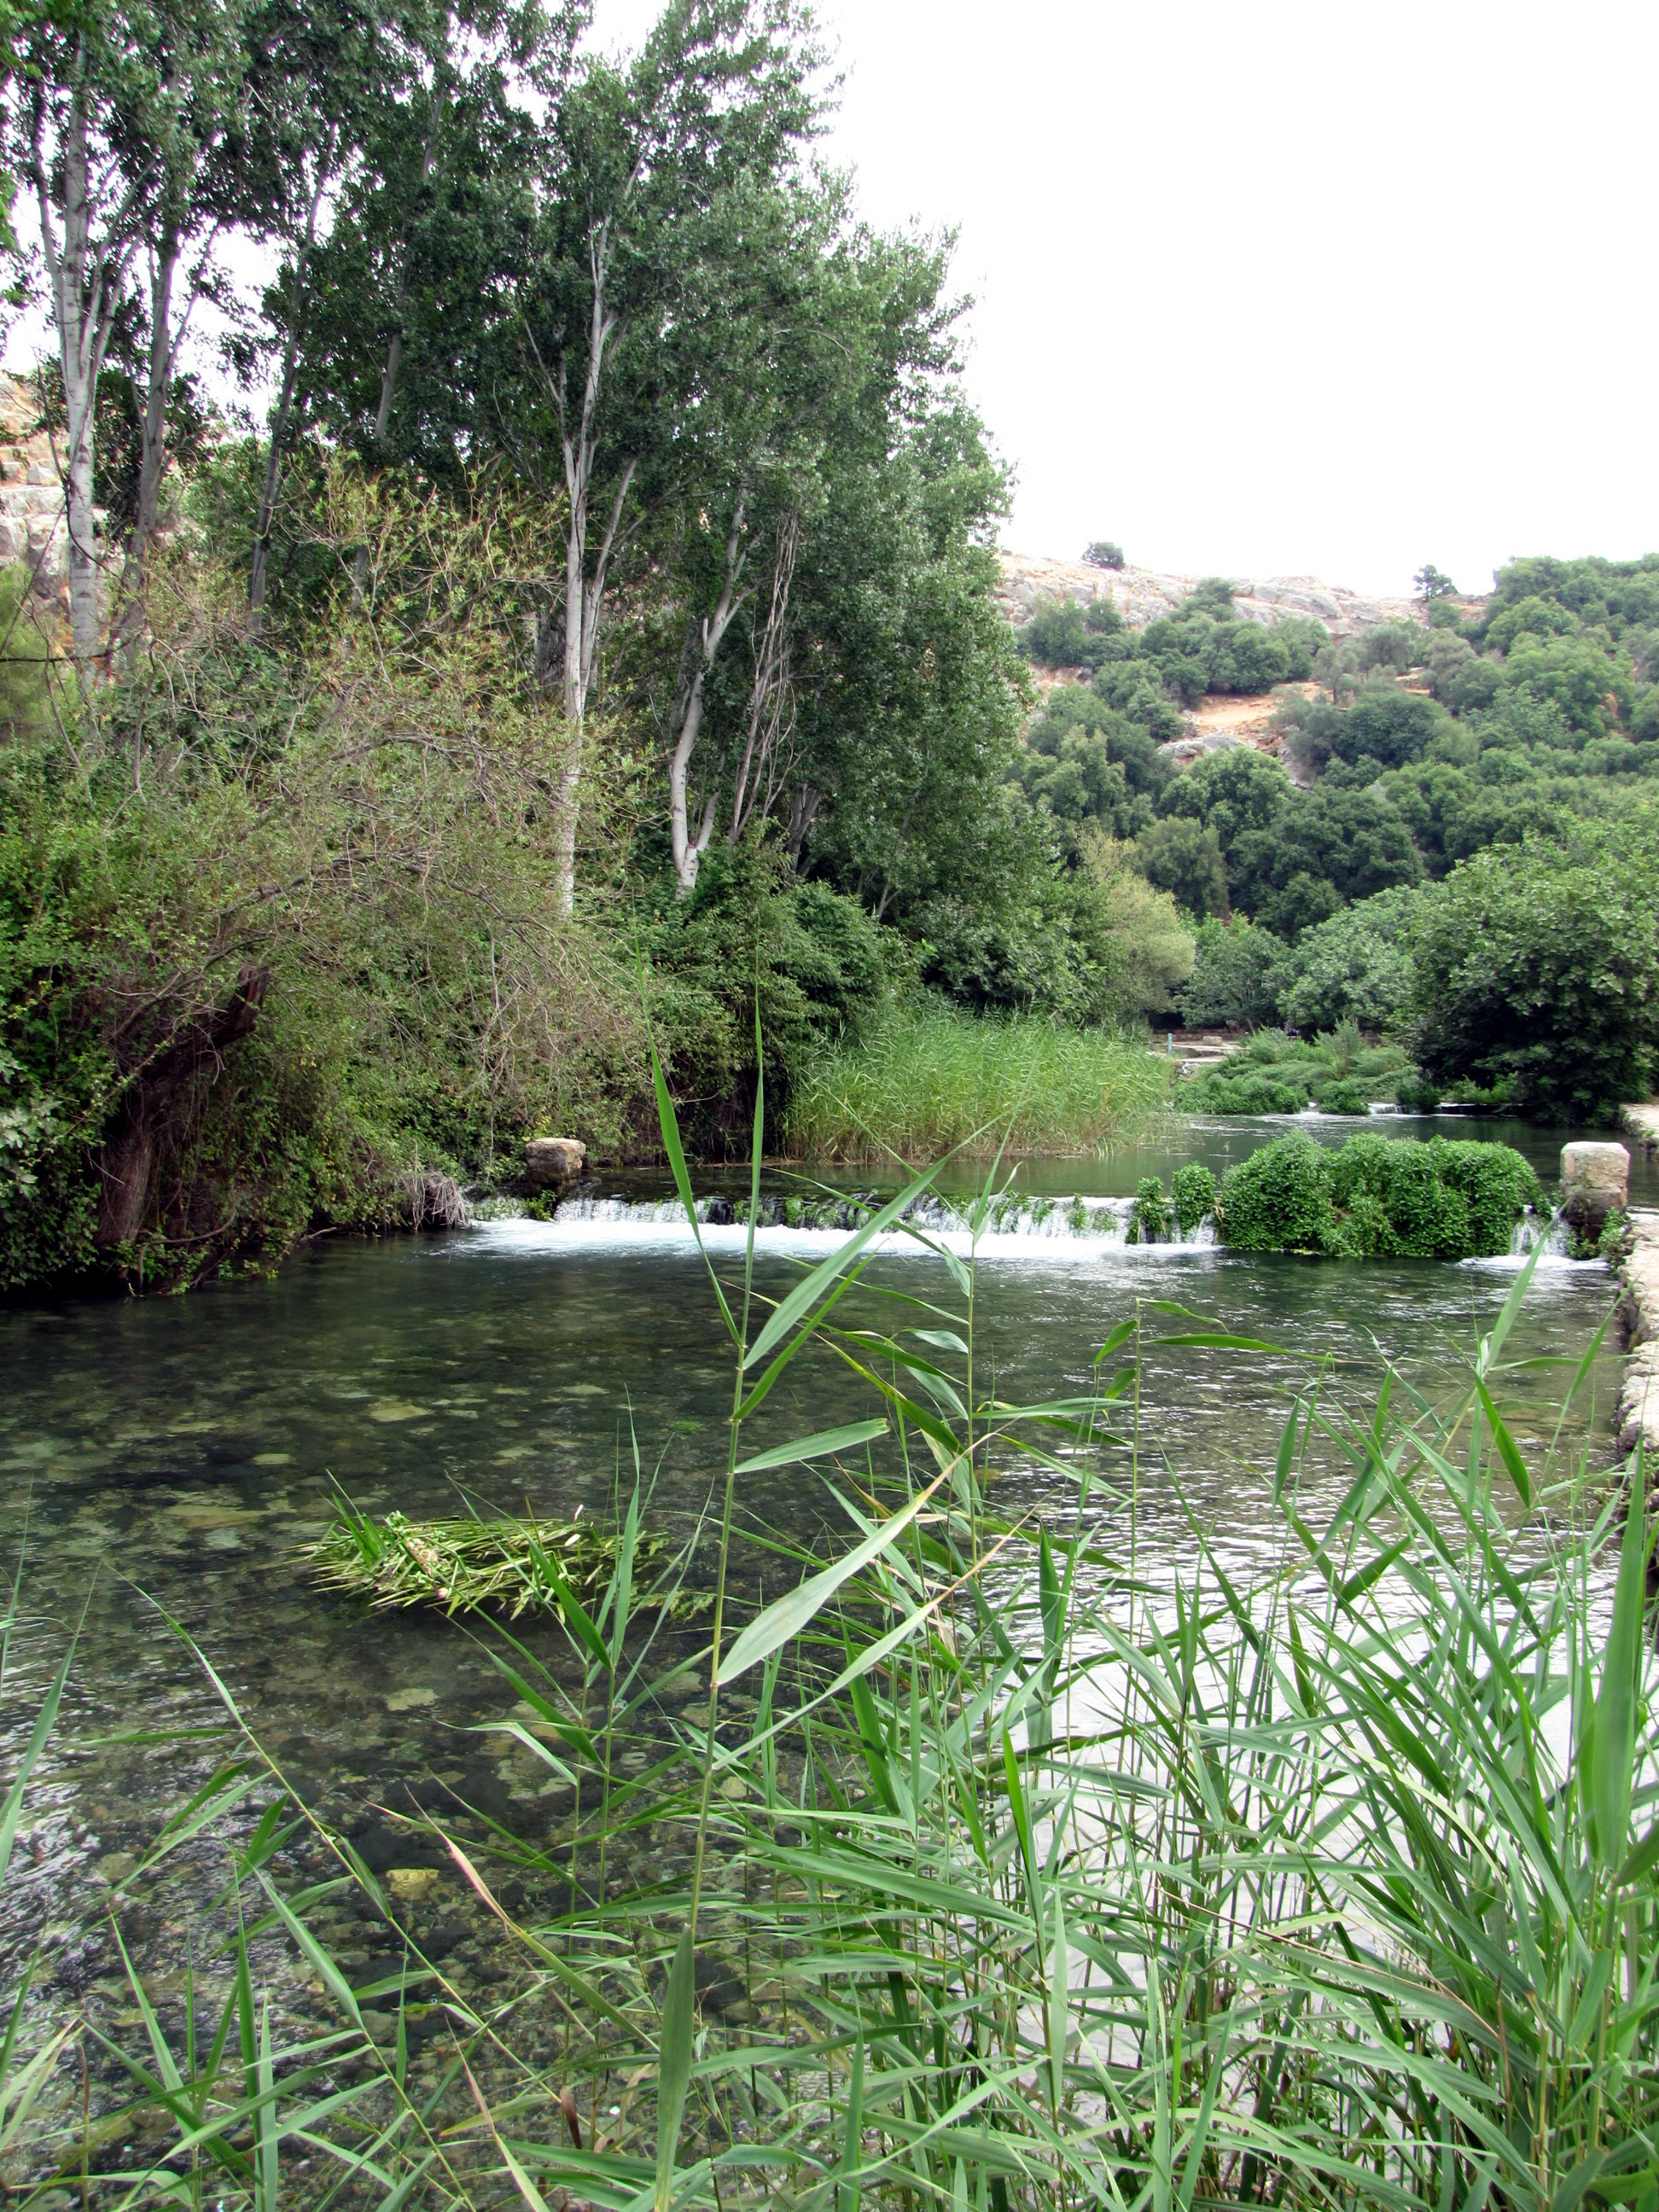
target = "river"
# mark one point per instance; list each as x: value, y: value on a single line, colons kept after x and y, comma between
x: 165, y: 1458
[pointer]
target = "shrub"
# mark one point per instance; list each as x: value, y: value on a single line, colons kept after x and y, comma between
x: 1279, y: 1200
x: 1103, y: 554
x: 1149, y: 1217
x: 1192, y: 1194
x: 1417, y: 1093
x: 1342, y: 1096
x: 1377, y: 1195
x: 1244, y: 1094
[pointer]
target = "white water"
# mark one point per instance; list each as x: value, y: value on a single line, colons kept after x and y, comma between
x: 1064, y: 1231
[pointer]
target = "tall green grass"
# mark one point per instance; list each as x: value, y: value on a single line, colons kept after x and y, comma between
x: 999, y: 1862
x: 930, y: 1079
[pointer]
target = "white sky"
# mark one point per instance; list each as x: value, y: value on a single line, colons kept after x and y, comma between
x: 1276, y: 289
x: 1280, y: 287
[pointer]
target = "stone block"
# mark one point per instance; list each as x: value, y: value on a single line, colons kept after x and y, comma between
x: 1595, y: 1181
x: 550, y: 1161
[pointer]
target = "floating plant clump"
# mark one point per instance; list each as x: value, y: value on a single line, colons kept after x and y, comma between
x: 467, y: 1564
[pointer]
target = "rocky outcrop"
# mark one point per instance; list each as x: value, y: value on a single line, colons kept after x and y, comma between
x: 1141, y: 595
x: 549, y: 1163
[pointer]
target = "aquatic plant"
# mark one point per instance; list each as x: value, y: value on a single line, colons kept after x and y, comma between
x: 1149, y: 1217
x: 1192, y: 1194
x: 468, y: 1565
x: 1376, y: 1196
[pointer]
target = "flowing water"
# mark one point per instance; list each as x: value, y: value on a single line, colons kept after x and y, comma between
x: 165, y: 1459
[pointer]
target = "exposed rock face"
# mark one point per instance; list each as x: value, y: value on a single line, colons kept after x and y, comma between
x: 1594, y: 1182
x: 1141, y: 595
x: 33, y: 518
x: 550, y: 1161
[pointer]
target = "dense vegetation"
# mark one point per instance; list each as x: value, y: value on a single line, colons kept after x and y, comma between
x: 1331, y: 883
x: 1377, y: 1197
x: 603, y: 620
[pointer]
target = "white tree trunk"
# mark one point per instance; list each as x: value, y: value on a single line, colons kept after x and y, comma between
x: 86, y: 276
x: 689, y: 850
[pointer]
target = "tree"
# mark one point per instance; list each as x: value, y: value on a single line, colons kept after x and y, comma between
x: 1355, y: 967
x: 1536, y: 967
x: 823, y: 342
x: 130, y: 126
x: 1102, y: 553
x: 1431, y: 584
x: 645, y: 161
x: 1234, y: 972
x: 1184, y: 859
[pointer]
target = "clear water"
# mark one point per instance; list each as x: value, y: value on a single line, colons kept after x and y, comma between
x: 167, y: 1457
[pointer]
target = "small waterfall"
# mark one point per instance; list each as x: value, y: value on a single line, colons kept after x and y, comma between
x: 1011, y: 1218
x: 1534, y: 1229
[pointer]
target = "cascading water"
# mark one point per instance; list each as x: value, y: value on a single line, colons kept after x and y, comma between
x: 1096, y: 1221
x: 1535, y: 1229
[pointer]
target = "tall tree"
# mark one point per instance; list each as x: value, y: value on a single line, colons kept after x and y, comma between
x: 128, y: 124
x: 644, y: 163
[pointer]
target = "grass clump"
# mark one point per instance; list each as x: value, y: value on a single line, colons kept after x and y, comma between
x: 468, y: 1565
x: 931, y: 1079
x: 1376, y: 1197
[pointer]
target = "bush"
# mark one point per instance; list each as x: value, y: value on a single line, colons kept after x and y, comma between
x: 1192, y: 1194
x: 1539, y: 965
x: 1149, y: 1217
x: 1234, y: 976
x: 1377, y: 1195
x: 1417, y: 1093
x: 1342, y: 1096
x: 1103, y: 554
x: 1279, y: 1200
x: 1242, y: 1094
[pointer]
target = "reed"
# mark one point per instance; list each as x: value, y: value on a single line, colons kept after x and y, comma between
x: 930, y: 1080
x: 466, y: 1564
x: 999, y: 1865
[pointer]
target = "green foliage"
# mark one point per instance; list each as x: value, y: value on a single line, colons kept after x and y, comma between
x: 1538, y: 968
x: 1192, y: 1196
x: 1102, y: 553
x: 928, y: 1077
x: 1376, y: 1196
x: 1242, y: 1094
x: 1234, y: 972
x: 1061, y: 634
x: 1149, y: 1216
x: 1344, y: 1096
x: 1355, y: 966
x: 1181, y: 857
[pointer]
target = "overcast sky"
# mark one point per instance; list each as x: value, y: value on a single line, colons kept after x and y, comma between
x: 1279, y: 289
x: 1328, y: 290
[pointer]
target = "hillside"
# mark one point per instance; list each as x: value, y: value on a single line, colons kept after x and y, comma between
x: 1142, y: 595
